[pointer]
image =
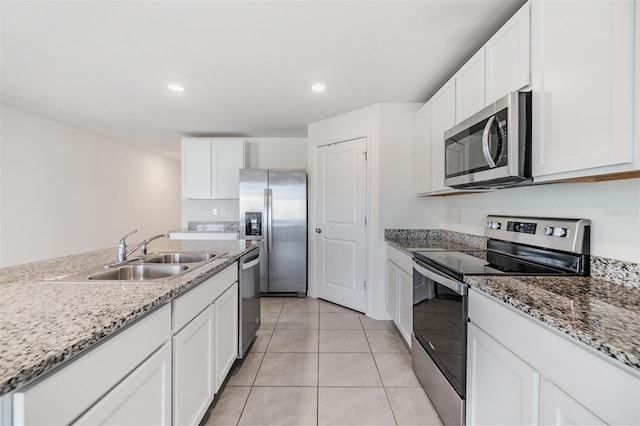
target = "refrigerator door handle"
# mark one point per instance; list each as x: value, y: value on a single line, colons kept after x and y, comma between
x: 269, y: 220
x: 266, y: 227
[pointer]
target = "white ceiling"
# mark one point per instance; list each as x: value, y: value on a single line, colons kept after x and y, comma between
x: 103, y: 66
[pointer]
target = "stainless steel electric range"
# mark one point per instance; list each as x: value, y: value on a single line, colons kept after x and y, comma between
x: 515, y: 246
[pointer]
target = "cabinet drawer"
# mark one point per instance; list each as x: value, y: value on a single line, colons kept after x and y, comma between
x: 62, y: 396
x: 401, y: 259
x: 187, y: 306
x: 143, y: 398
x: 611, y: 392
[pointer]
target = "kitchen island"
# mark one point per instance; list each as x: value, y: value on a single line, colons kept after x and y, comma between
x: 47, y: 324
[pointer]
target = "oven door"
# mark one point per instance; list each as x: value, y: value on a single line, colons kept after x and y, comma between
x: 440, y: 321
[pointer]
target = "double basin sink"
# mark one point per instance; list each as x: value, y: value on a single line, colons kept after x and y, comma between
x: 152, y: 268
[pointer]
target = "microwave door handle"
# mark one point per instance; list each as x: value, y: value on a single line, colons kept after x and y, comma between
x: 485, y: 142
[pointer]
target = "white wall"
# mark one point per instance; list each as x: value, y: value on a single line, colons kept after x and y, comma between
x: 261, y: 153
x: 276, y: 153
x: 613, y: 208
x: 392, y: 202
x: 66, y: 191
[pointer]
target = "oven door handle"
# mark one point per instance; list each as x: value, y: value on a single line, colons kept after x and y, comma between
x: 426, y: 271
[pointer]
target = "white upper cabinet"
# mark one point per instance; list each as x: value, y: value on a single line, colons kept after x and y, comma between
x: 470, y: 87
x: 229, y: 160
x: 210, y: 167
x: 582, y: 81
x: 506, y: 56
x: 422, y: 149
x: 196, y: 168
x: 443, y: 118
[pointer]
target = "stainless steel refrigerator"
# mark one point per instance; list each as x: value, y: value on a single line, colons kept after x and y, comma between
x: 273, y: 209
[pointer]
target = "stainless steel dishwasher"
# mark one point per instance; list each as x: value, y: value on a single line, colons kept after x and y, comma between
x: 249, y: 300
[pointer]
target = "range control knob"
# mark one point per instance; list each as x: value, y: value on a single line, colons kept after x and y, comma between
x: 560, y: 232
x: 495, y: 225
x: 487, y: 225
x: 548, y: 230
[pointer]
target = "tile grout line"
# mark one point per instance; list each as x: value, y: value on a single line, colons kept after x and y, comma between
x: 384, y: 387
x: 259, y: 366
x: 318, y: 373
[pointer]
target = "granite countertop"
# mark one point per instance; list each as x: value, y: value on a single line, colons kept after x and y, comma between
x: 602, y: 314
x: 230, y: 227
x: 602, y: 311
x: 410, y: 240
x: 46, y: 323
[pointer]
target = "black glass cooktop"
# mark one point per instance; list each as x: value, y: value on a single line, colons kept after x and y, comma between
x: 482, y: 262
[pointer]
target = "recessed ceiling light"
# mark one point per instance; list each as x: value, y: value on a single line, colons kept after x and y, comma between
x: 175, y: 87
x: 318, y: 87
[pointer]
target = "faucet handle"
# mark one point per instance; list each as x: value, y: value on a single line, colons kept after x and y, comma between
x: 122, y: 240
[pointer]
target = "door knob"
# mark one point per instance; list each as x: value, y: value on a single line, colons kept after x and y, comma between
x: 318, y: 230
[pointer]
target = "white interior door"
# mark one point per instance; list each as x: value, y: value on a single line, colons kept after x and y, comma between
x: 340, y: 227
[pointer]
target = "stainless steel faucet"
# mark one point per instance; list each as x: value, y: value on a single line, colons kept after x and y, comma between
x: 122, y: 247
x: 123, y: 254
x: 143, y: 245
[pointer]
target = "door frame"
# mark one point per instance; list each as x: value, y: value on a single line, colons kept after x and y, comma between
x: 313, y: 202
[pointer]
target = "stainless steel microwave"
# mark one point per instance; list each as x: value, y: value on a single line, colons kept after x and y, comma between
x: 491, y: 149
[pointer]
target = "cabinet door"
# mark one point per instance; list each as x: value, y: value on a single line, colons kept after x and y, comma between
x: 391, y: 296
x: 228, y: 157
x: 405, y: 305
x: 507, y: 57
x: 582, y: 79
x: 226, y: 333
x: 196, y: 168
x: 193, y: 373
x: 558, y: 408
x: 444, y: 118
x: 422, y: 150
x: 470, y: 87
x: 142, y: 398
x: 501, y: 388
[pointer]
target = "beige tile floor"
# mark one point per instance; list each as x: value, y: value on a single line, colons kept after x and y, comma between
x: 316, y: 363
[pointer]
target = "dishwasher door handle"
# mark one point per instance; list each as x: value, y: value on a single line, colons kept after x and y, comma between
x: 250, y: 264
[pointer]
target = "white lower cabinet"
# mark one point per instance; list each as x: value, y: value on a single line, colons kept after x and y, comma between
x: 206, y: 347
x: 391, y: 293
x: 143, y: 398
x: 226, y: 333
x: 521, y: 372
x: 193, y: 369
x: 558, y: 408
x: 405, y: 305
x: 399, y: 291
x: 502, y: 388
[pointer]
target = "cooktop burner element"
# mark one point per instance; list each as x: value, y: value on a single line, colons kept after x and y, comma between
x: 520, y: 246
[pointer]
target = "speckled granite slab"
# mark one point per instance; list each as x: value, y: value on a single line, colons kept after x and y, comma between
x: 409, y: 240
x: 222, y: 226
x: 43, y: 324
x: 601, y: 314
x: 625, y: 273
